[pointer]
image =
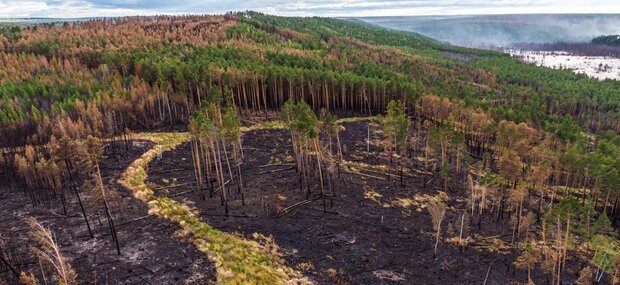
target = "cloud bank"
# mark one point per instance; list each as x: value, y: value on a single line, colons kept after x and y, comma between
x: 336, y: 8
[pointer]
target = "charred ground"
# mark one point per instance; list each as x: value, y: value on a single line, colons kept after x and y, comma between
x: 150, y: 252
x: 374, y: 231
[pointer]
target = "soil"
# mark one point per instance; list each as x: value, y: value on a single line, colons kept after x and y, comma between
x: 150, y: 251
x: 383, y: 238
x: 357, y: 240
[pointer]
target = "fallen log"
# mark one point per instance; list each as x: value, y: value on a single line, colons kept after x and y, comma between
x: 365, y: 175
x: 168, y: 171
x: 276, y: 164
x: 276, y: 170
x: 174, y: 186
x: 288, y: 209
x: 428, y: 182
x: 225, y: 183
x: 131, y: 221
x: 182, y: 193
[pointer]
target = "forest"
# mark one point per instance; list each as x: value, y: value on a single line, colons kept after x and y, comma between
x: 247, y: 148
x: 610, y: 40
x: 583, y: 49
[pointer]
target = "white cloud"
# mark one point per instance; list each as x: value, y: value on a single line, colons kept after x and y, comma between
x: 89, y: 8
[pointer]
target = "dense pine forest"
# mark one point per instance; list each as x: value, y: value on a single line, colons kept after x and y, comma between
x: 254, y: 149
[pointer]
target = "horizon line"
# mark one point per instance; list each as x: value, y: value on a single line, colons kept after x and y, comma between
x: 305, y: 16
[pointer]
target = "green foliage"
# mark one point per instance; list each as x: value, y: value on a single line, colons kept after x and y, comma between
x: 317, y: 57
x: 489, y: 178
x: 440, y: 133
x: 301, y: 118
x: 444, y: 171
x: 603, y: 226
x: 201, y: 127
x: 567, y: 208
x: 231, y: 125
x: 214, y: 96
x: 586, y: 215
x: 329, y: 124
x: 548, y: 98
x: 396, y: 124
x: 605, y: 160
x: 293, y: 61
x: 564, y: 128
x: 249, y: 32
x: 326, y: 28
x: 551, y: 101
x: 610, y: 40
x: 11, y: 33
x: 606, y: 251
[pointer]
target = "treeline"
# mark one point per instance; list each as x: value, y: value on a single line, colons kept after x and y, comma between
x: 510, y: 129
x: 612, y: 40
x: 101, y: 82
x: 468, y: 81
x: 583, y: 49
x: 157, y: 70
x: 107, y: 77
x: 558, y: 101
x: 165, y: 84
x: 520, y: 153
x: 558, y: 199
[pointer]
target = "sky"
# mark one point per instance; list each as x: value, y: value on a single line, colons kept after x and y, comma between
x: 332, y: 8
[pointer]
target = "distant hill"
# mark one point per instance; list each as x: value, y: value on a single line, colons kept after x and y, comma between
x: 487, y: 31
x: 34, y: 21
x: 611, y: 40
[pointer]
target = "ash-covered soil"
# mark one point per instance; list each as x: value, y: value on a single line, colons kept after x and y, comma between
x: 362, y: 238
x: 150, y: 252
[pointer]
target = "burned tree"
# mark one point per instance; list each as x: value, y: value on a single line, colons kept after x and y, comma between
x: 49, y: 255
x: 437, y: 210
x: 92, y: 154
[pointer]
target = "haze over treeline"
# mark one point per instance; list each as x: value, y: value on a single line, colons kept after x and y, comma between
x: 506, y: 30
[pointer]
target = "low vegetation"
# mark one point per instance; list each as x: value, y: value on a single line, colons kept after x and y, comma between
x: 237, y: 260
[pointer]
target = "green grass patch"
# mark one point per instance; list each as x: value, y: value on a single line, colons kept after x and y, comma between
x: 237, y: 260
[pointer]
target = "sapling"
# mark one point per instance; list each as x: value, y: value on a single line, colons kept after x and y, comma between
x: 461, y: 234
x: 437, y: 210
x: 530, y: 255
x: 48, y: 253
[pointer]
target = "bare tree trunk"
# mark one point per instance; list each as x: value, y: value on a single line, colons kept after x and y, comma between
x: 107, y: 210
x: 218, y: 160
x: 437, y: 237
x: 318, y: 158
x: 461, y: 234
x: 77, y: 194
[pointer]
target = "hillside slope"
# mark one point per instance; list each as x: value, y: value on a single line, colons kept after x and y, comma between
x: 530, y: 155
x: 133, y: 59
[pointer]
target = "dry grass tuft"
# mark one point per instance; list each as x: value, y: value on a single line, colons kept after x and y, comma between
x: 49, y: 255
x: 388, y: 275
x: 371, y: 194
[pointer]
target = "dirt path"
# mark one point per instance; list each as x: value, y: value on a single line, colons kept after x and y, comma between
x: 237, y: 260
x: 361, y: 240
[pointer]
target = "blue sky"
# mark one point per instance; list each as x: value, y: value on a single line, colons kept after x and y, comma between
x: 86, y: 8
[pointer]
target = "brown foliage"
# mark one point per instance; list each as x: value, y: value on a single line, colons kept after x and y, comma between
x: 48, y: 252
